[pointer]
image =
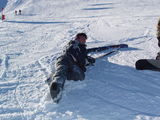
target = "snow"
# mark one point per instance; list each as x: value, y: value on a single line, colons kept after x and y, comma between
x: 112, y: 89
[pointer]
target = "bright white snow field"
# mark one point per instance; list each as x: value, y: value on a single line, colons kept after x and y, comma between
x: 112, y: 90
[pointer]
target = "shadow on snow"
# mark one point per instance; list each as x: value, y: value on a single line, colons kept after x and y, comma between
x: 99, y: 8
x: 32, y: 22
x: 116, y: 88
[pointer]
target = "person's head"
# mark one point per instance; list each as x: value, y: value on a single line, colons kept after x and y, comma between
x: 81, y: 37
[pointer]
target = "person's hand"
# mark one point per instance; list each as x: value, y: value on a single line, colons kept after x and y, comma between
x: 90, y: 60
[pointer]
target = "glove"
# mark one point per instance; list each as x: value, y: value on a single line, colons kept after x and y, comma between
x: 83, y: 68
x: 90, y: 60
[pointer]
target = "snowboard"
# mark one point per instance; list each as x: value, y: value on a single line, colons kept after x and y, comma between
x: 54, y: 90
x: 148, y: 64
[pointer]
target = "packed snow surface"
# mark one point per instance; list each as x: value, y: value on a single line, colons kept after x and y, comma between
x: 112, y: 90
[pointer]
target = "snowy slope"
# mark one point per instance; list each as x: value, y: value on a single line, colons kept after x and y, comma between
x: 112, y: 90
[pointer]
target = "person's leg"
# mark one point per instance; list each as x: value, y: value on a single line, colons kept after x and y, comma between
x: 60, y: 74
x: 58, y: 79
x: 75, y: 73
x: 50, y: 78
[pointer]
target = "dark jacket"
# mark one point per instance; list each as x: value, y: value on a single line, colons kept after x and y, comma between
x: 77, y: 52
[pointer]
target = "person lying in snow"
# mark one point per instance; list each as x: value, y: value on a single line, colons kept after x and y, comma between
x: 71, y: 65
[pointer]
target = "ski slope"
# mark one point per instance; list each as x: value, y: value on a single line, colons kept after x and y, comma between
x: 112, y: 90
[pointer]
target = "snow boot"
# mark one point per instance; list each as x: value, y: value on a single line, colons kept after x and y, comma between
x: 56, y: 91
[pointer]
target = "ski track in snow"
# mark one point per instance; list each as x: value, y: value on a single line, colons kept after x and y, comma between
x: 112, y: 90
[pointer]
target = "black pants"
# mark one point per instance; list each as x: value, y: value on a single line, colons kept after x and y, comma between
x: 66, y: 70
